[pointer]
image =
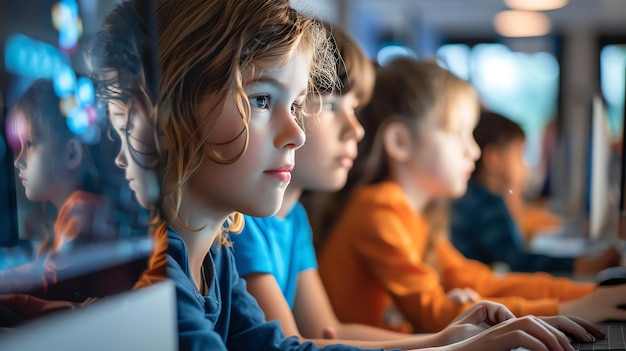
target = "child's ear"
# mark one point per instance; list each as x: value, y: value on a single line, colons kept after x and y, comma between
x: 73, y: 154
x: 397, y: 141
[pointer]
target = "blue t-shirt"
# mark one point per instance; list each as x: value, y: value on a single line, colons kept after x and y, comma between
x: 482, y: 228
x: 228, y: 318
x: 282, y: 247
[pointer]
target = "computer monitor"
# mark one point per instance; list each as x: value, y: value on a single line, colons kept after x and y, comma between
x: 600, y: 163
x: 42, y: 44
x: 622, y: 201
x: 143, y: 319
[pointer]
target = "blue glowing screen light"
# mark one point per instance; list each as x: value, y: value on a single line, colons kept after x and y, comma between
x: 64, y: 82
x: 31, y: 58
x: 78, y: 121
x: 85, y: 92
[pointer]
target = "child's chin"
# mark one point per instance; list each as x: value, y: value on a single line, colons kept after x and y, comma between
x: 263, y: 211
x: 330, y: 186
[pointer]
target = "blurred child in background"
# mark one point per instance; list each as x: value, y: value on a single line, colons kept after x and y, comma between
x: 388, y: 249
x: 481, y: 224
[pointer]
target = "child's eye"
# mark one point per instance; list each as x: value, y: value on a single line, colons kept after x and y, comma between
x: 261, y: 101
x: 29, y: 144
x: 296, y: 109
x: 330, y: 106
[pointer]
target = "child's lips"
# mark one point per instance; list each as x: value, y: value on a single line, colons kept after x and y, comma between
x: 283, y: 173
x: 346, y: 161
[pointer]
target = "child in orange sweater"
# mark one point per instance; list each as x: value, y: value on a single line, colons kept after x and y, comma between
x: 383, y: 251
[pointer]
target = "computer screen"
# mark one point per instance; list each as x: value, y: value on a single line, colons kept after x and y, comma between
x: 71, y: 226
x: 622, y: 202
x: 600, y: 163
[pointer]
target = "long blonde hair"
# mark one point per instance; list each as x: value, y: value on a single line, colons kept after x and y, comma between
x: 204, y: 46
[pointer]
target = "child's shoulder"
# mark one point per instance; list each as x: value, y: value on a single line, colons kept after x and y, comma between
x: 387, y: 193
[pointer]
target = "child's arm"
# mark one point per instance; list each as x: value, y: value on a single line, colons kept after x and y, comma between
x: 313, y: 315
x: 460, y: 272
x: 264, y: 288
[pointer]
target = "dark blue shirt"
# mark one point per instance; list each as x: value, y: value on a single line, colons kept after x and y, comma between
x: 228, y: 317
x: 483, y: 229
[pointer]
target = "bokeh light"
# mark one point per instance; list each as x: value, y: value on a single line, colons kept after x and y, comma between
x: 389, y: 52
x: 64, y: 82
x: 31, y: 58
x: 91, y: 114
x: 85, y: 92
x: 78, y: 121
x: 65, y: 19
x: 66, y: 105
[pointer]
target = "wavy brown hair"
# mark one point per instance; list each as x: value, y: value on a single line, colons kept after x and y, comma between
x: 204, y: 47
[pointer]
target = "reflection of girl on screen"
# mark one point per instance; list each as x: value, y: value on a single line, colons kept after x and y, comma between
x: 55, y: 167
x: 122, y: 62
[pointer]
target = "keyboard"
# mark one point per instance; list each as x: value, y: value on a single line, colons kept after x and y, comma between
x: 615, y: 339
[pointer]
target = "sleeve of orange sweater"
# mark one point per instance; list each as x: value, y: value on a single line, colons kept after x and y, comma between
x: 391, y: 239
x: 386, y: 244
x: 459, y: 271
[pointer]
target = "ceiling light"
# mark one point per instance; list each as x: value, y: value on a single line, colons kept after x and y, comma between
x: 521, y: 24
x: 535, y: 5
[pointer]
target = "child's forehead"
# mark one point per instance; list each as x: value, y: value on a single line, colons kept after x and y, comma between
x: 276, y: 60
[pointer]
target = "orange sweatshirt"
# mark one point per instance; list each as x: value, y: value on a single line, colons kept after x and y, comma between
x: 158, y: 260
x: 82, y: 216
x: 373, y: 261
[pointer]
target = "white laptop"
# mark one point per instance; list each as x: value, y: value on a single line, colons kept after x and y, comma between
x: 143, y: 319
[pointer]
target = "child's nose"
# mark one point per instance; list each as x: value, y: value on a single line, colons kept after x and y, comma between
x: 353, y: 129
x: 290, y: 134
x: 19, y: 162
x: 120, y: 160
